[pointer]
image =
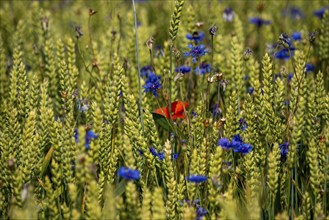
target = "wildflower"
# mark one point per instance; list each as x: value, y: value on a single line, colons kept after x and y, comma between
x: 224, y: 143
x: 243, y: 124
x: 200, y: 213
x: 78, y: 32
x: 203, y: 69
x: 92, y: 12
x: 216, y: 110
x: 83, y: 105
x: 145, y: 71
x: 236, y: 142
x: 284, y: 149
x: 196, y: 52
x: 196, y: 178
x: 196, y: 36
x: 161, y: 156
x: 276, y: 76
x: 251, y: 90
x: 312, y: 36
x: 259, y: 21
x: 174, y: 156
x: 156, y: 154
x: 284, y: 54
x: 284, y: 40
x: 177, y: 110
x: 149, y: 43
x: 296, y: 36
x: 319, y: 13
x: 183, y: 69
x: 213, y: 30
x: 90, y: 135
x: 293, y: 12
x: 153, y: 151
x: 228, y: 14
x: 243, y: 148
x: 247, y: 54
x: 286, y: 102
x: 309, y: 67
x: 290, y: 75
x: 129, y: 174
x: 152, y: 84
x: 194, y: 114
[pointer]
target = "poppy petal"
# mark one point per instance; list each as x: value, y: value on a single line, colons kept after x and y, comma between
x: 162, y: 111
x: 182, y: 116
x: 178, y: 107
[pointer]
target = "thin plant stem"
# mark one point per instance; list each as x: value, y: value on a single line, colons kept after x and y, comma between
x: 170, y: 73
x: 138, y: 68
x: 90, y: 38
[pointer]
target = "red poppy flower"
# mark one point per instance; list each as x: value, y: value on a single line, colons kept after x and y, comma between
x: 177, y: 110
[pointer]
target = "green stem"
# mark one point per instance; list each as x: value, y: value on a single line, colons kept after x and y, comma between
x: 138, y: 67
x: 170, y: 73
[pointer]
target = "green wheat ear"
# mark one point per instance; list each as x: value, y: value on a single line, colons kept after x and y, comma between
x: 175, y: 19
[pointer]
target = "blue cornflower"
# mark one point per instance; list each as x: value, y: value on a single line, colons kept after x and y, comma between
x: 83, y: 105
x: 145, y: 71
x: 196, y: 178
x: 309, y: 67
x: 203, y: 69
x: 200, y: 212
x: 319, y: 13
x: 243, y: 148
x: 284, y: 54
x: 237, y: 138
x: 243, y: 124
x: 286, y: 102
x: 215, y: 110
x: 161, y: 156
x: 276, y: 76
x: 293, y: 12
x: 196, y: 36
x: 194, y: 114
x: 174, y: 156
x: 90, y: 135
x: 228, y: 14
x: 259, y: 21
x: 156, y: 154
x: 290, y: 76
x: 196, y: 52
x: 224, y: 143
x: 129, y: 174
x: 251, y: 90
x: 152, y: 84
x: 284, y: 149
x: 153, y: 151
x: 183, y: 69
x: 296, y: 36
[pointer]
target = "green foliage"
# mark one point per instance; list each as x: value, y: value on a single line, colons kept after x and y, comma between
x: 70, y: 116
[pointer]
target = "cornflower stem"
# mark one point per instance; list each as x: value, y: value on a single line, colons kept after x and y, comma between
x: 182, y: 98
x: 138, y: 68
x: 90, y: 38
x: 170, y: 73
x: 220, y: 100
x: 325, y: 187
x: 151, y: 60
x: 82, y: 57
